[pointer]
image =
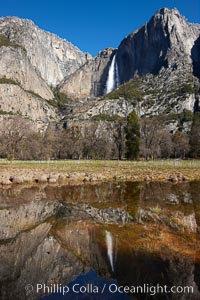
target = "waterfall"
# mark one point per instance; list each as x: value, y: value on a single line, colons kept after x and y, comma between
x: 113, y: 76
x: 109, y: 244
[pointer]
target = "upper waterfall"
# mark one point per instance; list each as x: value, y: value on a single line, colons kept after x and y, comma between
x: 113, y: 76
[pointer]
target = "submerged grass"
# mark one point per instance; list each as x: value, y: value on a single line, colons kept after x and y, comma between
x: 152, y: 240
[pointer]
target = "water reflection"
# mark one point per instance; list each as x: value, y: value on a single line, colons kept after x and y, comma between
x: 109, y: 244
x: 135, y: 233
x: 89, y: 286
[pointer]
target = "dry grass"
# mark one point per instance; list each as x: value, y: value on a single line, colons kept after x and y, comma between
x: 121, y: 170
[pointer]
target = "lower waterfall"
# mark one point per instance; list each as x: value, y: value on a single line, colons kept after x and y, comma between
x: 109, y: 244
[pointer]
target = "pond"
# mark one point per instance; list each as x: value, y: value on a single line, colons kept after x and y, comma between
x: 119, y: 240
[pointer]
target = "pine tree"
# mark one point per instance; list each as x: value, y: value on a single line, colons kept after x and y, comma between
x: 195, y: 136
x: 132, y: 131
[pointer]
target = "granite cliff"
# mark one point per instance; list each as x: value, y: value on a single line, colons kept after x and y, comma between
x: 167, y: 41
x: 32, y: 61
x: 51, y: 56
x: 155, y: 70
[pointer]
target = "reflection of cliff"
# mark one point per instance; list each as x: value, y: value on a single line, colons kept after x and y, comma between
x: 139, y: 268
x: 152, y: 192
x: 14, y: 256
x: 194, y: 190
x: 21, y: 218
x: 146, y: 256
x: 175, y: 205
x: 39, y: 251
x: 50, y: 241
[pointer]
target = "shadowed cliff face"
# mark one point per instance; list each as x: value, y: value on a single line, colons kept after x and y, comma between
x: 41, y: 257
x: 51, y: 234
x: 196, y: 58
x: 36, y: 247
x: 165, y: 41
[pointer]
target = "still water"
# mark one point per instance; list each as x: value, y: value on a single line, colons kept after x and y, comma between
x: 100, y: 241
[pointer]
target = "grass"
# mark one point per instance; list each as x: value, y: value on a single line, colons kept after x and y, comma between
x: 109, y: 118
x: 5, y: 80
x: 185, y: 116
x: 170, y: 163
x: 34, y: 94
x: 4, y: 41
x: 3, y: 112
x: 156, y: 209
x: 159, y: 170
x: 60, y: 100
x: 82, y: 164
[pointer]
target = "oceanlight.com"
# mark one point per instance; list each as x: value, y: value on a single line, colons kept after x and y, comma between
x: 108, y: 288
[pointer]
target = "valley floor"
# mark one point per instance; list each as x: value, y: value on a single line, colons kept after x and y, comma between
x: 93, y: 171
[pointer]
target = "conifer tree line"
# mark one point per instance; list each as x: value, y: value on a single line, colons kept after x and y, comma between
x: 133, y: 138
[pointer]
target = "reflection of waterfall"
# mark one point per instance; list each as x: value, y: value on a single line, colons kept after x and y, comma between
x: 113, y: 76
x: 109, y: 243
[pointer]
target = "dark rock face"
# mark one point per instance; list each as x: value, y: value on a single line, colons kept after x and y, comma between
x: 35, y: 250
x: 167, y: 40
x: 140, y: 52
x: 196, y: 58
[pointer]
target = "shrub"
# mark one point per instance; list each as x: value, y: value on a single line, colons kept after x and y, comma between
x: 129, y: 91
x: 105, y: 117
x: 60, y: 100
x: 5, y: 80
x: 4, y: 41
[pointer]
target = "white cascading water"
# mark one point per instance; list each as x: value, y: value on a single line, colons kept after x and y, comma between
x: 109, y: 244
x: 113, y: 76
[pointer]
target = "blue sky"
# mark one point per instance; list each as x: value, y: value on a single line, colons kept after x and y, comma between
x: 94, y: 25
